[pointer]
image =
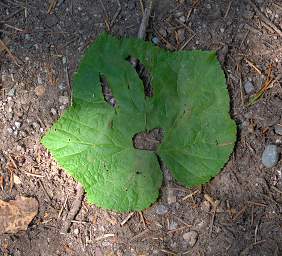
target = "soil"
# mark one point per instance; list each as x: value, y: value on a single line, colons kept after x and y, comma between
x: 237, y: 213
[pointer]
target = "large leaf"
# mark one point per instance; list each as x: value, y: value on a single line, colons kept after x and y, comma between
x: 92, y: 141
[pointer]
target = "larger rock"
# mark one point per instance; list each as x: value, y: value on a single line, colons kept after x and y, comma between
x: 270, y: 156
x: 191, y: 237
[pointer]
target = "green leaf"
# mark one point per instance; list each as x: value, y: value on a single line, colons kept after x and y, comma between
x: 92, y: 141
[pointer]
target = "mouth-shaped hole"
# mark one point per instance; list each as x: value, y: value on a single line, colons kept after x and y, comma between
x: 148, y: 140
x: 107, y: 92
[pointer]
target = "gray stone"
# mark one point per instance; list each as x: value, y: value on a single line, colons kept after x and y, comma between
x: 155, y: 40
x: 172, y: 225
x: 270, y: 156
x: 18, y: 124
x: 64, y: 60
x: 278, y: 129
x: 249, y: 87
x: 12, y: 92
x: 53, y: 111
x: 161, y: 209
x: 191, y: 237
x: 182, y: 19
x: 62, y: 86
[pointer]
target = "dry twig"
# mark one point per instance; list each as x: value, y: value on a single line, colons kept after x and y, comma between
x: 74, y: 209
x: 13, y: 57
x: 127, y: 218
x: 264, y: 19
x: 116, y: 14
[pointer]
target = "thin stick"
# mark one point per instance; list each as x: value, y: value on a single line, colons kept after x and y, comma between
x: 264, y: 19
x: 15, y: 28
x: 104, y: 237
x: 34, y: 175
x: 45, y: 191
x: 74, y: 209
x: 13, y: 162
x: 116, y: 14
x: 142, y: 6
x: 190, y: 195
x: 142, y: 29
x: 127, y: 218
x: 14, y: 58
x: 276, y: 189
x: 145, y: 21
x: 143, y: 219
x: 253, y: 66
x: 228, y: 9
x: 187, y: 42
x: 63, y: 207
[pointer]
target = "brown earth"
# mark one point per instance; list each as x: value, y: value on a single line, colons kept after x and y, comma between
x: 45, y: 49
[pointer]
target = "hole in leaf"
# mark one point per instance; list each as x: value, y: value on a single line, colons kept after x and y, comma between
x: 143, y: 74
x: 148, y: 140
x: 107, y: 92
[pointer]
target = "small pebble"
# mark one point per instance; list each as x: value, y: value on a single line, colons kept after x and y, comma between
x: 64, y: 60
x: 278, y: 129
x: 270, y: 156
x: 64, y: 100
x: 39, y: 90
x: 106, y: 243
x: 12, y: 92
x: 76, y: 231
x: 172, y: 225
x: 205, y: 206
x: 62, y: 86
x: 35, y: 126
x: 182, y: 19
x: 53, y: 111
x: 27, y: 37
x: 18, y: 124
x: 155, y: 40
x: 249, y: 87
x: 171, y: 197
x: 191, y: 237
x: 161, y: 209
x: 39, y: 80
x: 17, y: 180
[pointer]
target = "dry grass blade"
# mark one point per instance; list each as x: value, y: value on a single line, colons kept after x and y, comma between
x: 116, y: 14
x: 127, y: 218
x: 52, y: 6
x: 267, y: 84
x: 13, y: 57
x: 251, y: 64
x: 104, y: 237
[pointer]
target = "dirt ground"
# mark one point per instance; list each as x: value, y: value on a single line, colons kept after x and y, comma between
x: 46, y: 45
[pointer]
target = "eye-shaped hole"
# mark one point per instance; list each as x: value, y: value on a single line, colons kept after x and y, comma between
x: 143, y: 74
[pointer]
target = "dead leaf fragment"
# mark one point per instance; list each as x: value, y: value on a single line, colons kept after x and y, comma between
x: 15, y: 215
